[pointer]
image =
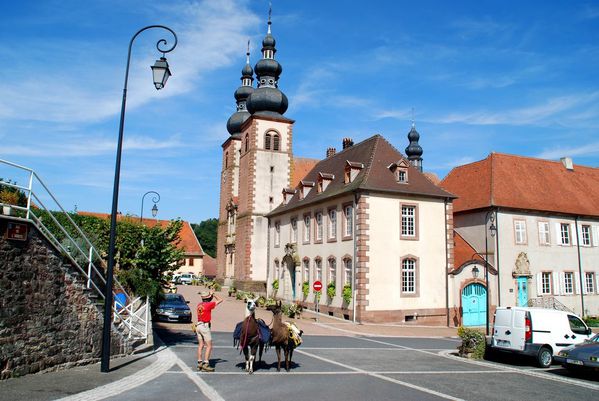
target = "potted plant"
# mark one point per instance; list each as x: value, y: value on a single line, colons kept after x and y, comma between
x: 232, y: 291
x: 346, y: 294
x: 8, y: 198
x: 331, y: 291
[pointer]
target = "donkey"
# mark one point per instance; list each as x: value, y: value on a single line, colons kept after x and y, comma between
x: 282, y: 337
x: 247, y: 335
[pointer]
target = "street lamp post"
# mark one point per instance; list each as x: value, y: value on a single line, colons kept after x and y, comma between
x: 161, y: 73
x: 155, y: 199
x: 490, y: 216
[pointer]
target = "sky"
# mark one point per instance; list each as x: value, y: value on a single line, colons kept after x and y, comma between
x: 475, y: 76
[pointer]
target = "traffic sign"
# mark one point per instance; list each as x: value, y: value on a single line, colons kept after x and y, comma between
x: 317, y: 286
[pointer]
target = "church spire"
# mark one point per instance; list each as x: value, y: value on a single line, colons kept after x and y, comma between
x: 414, y: 150
x: 267, y: 99
x: 241, y: 95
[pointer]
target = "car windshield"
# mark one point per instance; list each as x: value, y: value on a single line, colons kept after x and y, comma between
x: 174, y: 299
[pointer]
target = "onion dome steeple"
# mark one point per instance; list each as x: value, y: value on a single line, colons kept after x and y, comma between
x: 267, y: 99
x: 241, y: 94
x: 414, y: 150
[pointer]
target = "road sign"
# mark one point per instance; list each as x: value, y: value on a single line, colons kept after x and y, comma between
x: 317, y: 286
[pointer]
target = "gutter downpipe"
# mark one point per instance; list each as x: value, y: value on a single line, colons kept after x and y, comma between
x: 579, y: 265
x: 355, y: 261
x: 496, y: 256
x: 446, y: 267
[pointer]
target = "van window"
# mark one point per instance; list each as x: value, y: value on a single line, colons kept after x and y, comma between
x: 576, y: 325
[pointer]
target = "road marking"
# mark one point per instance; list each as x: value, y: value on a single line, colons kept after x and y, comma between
x: 165, y: 360
x: 357, y: 333
x: 528, y: 372
x: 208, y: 391
x: 380, y: 376
x: 395, y: 348
x: 345, y: 372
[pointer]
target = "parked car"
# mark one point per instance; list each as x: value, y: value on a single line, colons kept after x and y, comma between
x: 537, y: 332
x: 187, y: 278
x: 585, y: 355
x: 173, y: 308
x: 176, y: 278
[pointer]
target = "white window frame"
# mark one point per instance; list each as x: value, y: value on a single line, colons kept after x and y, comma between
x: 589, y: 282
x: 347, y: 267
x: 277, y: 233
x: 332, y: 231
x: 546, y: 283
x: 520, y: 232
x: 585, y: 235
x: 348, y: 229
x: 408, y: 276
x: 565, y: 237
x: 319, y: 228
x: 318, y: 269
x: 307, y: 228
x: 293, y: 225
x: 408, y: 221
x: 544, y: 233
x: 306, y: 269
x: 568, y: 283
x: 332, y: 278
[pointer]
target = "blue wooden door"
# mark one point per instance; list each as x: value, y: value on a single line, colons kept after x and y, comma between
x: 522, y: 291
x: 474, y: 305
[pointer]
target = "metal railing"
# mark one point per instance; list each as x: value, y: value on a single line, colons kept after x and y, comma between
x: 548, y: 303
x: 132, y: 317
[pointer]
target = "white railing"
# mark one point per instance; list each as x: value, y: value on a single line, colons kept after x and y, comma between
x: 133, y: 317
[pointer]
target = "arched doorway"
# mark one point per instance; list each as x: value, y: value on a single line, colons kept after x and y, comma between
x: 474, y: 305
x: 289, y: 278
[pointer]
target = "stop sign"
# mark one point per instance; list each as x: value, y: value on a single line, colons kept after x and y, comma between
x: 317, y: 286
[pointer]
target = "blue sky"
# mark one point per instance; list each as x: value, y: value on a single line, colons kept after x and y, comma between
x: 514, y: 77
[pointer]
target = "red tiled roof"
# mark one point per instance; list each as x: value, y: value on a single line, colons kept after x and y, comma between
x: 189, y: 242
x: 524, y: 183
x: 301, y: 167
x: 462, y: 251
x: 375, y: 154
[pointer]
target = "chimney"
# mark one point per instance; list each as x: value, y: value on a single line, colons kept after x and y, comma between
x: 567, y: 162
x: 347, y: 142
x: 331, y: 152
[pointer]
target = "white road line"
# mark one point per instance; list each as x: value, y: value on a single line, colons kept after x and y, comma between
x: 394, y: 348
x: 202, y: 385
x: 528, y: 372
x: 351, y: 372
x: 165, y: 360
x: 357, y: 333
x: 379, y: 376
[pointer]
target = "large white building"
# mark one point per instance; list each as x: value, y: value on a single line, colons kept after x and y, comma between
x: 537, y: 223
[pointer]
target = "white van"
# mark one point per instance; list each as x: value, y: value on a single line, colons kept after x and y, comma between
x: 538, y: 332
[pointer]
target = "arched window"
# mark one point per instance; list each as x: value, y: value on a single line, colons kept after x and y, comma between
x: 275, y: 142
x: 347, y: 267
x: 306, y: 270
x: 267, y: 141
x: 332, y: 270
x: 318, y: 269
x: 226, y: 159
x: 247, y: 142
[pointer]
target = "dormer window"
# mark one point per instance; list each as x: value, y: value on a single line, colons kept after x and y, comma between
x: 287, y: 194
x: 400, y: 170
x: 305, y: 187
x: 324, y: 179
x: 351, y: 171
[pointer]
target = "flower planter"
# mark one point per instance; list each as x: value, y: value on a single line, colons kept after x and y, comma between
x: 7, y: 210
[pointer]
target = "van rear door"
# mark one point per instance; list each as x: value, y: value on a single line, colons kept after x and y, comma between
x: 509, y: 329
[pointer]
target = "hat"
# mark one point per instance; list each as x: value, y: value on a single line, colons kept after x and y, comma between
x: 205, y: 295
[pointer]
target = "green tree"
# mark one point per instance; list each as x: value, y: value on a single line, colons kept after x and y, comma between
x: 206, y: 234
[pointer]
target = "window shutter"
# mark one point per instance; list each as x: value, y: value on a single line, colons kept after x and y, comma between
x: 584, y: 283
x: 562, y: 283
x: 558, y: 234
x: 556, y: 285
x: 595, y: 235
x: 573, y: 234
x: 597, y: 282
x: 576, y: 283
x: 539, y: 283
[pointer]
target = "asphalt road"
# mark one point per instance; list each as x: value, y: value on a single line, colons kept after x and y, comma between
x: 358, y: 368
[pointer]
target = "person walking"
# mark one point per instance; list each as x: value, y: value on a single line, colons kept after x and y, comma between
x: 204, y: 311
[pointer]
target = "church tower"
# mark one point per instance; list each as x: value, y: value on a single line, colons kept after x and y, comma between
x: 261, y: 166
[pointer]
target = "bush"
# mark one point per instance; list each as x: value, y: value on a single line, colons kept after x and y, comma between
x: 473, y: 343
x: 592, y: 321
x: 331, y: 290
x: 347, y: 293
x: 261, y: 301
x: 275, y: 284
x: 305, y: 288
x: 291, y: 310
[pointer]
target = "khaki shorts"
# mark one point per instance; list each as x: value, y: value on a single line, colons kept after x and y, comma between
x: 203, y: 332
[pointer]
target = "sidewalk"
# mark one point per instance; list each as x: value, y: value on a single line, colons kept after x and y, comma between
x: 137, y: 368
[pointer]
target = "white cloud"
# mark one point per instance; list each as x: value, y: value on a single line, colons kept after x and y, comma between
x: 589, y: 149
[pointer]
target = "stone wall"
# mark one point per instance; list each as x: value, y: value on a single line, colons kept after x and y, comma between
x: 47, y: 317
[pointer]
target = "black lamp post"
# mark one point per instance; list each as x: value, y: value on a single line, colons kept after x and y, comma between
x: 489, y: 217
x: 155, y: 199
x: 161, y: 73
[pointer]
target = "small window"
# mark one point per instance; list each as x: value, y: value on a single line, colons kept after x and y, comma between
x: 293, y: 230
x: 520, y: 231
x: 586, y: 235
x: 277, y: 233
x: 267, y: 139
x: 270, y: 199
x: 332, y: 271
x: 318, y: 269
x: 565, y: 233
x: 226, y: 159
x: 568, y: 283
x: 408, y: 276
x: 272, y: 169
x: 347, y: 268
x: 589, y: 282
x: 307, y: 228
x: 402, y: 175
x: 191, y: 261
x: 247, y: 142
x: 408, y: 221
x: 318, y: 227
x: 545, y: 283
x: 275, y: 142
x: 332, y: 224
x: 348, y: 220
x: 306, y: 270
